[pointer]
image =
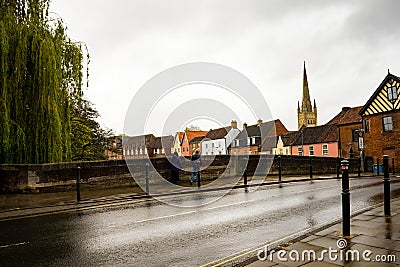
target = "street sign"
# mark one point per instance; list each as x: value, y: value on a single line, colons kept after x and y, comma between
x: 360, y: 142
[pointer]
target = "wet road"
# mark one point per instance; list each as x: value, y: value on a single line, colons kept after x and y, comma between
x: 150, y: 233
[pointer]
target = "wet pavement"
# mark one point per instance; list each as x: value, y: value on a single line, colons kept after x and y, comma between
x: 374, y: 241
x: 148, y: 232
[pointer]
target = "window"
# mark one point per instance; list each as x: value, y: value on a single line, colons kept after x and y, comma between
x: 387, y: 124
x: 366, y: 126
x: 287, y: 151
x: 237, y: 142
x: 280, y: 151
x: 300, y: 150
x: 354, y: 133
x: 248, y: 141
x: 163, y: 150
x: 253, y: 140
x: 311, y: 150
x: 392, y: 93
x: 206, y: 145
x: 324, y: 150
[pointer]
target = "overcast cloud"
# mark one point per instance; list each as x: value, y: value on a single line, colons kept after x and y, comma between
x: 347, y: 45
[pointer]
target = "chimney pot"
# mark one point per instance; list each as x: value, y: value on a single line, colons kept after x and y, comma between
x: 234, y: 124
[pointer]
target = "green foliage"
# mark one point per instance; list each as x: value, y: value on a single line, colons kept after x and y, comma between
x: 40, y: 83
x: 88, y: 139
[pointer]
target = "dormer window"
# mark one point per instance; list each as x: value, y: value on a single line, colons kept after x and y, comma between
x: 392, y: 93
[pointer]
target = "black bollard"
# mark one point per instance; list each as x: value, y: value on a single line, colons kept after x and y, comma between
x: 78, y: 185
x: 377, y: 166
x: 359, y: 166
x: 337, y: 168
x: 393, y: 165
x: 345, y: 198
x: 279, y: 168
x: 198, y: 178
x: 386, y: 185
x: 310, y: 168
x: 147, y: 179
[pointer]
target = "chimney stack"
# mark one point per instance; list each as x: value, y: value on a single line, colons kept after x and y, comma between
x: 259, y: 122
x: 234, y: 124
x: 244, y: 125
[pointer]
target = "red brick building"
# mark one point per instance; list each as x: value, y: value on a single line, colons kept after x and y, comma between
x: 381, y: 122
x: 349, y: 125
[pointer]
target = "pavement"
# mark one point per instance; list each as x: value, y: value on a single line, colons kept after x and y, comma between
x: 375, y: 238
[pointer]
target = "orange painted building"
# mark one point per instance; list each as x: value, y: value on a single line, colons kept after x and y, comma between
x: 187, y: 137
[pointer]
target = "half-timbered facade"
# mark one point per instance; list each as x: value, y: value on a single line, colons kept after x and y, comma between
x: 381, y: 121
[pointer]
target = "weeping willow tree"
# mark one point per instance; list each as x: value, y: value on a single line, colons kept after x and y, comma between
x: 40, y: 82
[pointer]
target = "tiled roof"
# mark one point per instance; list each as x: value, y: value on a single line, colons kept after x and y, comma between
x: 314, y: 135
x: 288, y: 138
x: 218, y: 133
x: 180, y: 137
x: 268, y: 129
x: 347, y: 116
x: 197, y: 139
x: 192, y: 134
x: 139, y: 140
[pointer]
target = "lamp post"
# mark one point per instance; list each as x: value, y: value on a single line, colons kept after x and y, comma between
x: 361, y: 146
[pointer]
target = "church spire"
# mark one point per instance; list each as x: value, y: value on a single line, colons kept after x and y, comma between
x: 306, y: 103
x: 307, y: 114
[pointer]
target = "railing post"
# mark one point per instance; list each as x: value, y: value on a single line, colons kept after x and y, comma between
x: 311, y: 167
x: 279, y: 169
x: 393, y: 165
x: 198, y: 179
x: 359, y: 166
x: 245, y: 171
x: 78, y: 185
x: 377, y: 166
x: 147, y: 179
x: 345, y: 198
x: 337, y: 167
x: 386, y: 185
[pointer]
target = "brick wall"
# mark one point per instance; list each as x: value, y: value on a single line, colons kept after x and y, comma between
x: 114, y: 173
x: 378, y: 143
x: 346, y: 140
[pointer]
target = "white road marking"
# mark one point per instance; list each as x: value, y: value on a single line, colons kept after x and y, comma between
x: 14, y: 245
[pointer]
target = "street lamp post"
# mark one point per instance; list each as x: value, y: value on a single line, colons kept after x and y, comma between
x: 361, y: 146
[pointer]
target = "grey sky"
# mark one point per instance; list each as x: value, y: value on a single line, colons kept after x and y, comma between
x: 347, y: 45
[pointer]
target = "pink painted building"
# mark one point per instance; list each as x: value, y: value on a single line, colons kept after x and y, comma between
x: 321, y: 141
